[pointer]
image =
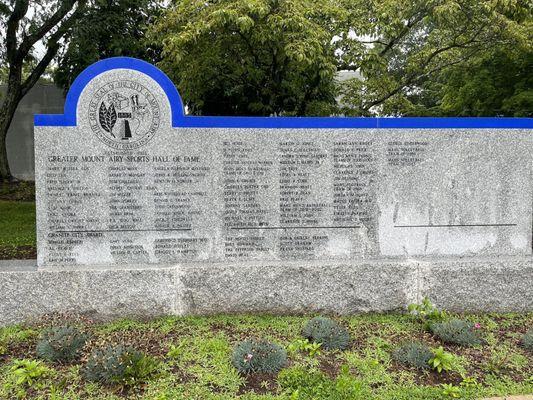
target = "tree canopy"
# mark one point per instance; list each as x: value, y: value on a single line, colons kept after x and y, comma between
x: 108, y: 28
x: 406, y: 50
x: 271, y: 57
x: 253, y: 57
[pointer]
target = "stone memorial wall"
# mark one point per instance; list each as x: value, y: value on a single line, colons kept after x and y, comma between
x: 221, y: 214
x: 124, y: 186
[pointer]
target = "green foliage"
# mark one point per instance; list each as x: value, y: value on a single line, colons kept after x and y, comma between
x: 24, y: 375
x: 527, y: 340
x: 120, y: 366
x: 17, y: 224
x: 251, y: 57
x: 504, y: 358
x: 303, y: 345
x: 308, y: 384
x: 27, y: 372
x: 497, y: 83
x: 258, y: 356
x: 107, y: 29
x: 414, y: 355
x: 61, y: 344
x: 426, y: 312
x: 442, y: 360
x: 327, y: 332
x: 201, y: 367
x: 457, y: 331
x: 437, y: 58
x: 449, y: 390
x: 470, y: 383
x: 207, y: 358
x: 175, y: 351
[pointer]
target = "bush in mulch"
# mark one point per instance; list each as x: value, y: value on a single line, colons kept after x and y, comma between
x: 527, y: 340
x: 458, y: 332
x: 120, y: 366
x: 327, y: 332
x: 413, y: 354
x: 253, y: 356
x: 61, y: 344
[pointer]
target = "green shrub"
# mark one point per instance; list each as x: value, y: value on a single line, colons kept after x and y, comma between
x: 258, y: 356
x: 527, y: 340
x: 327, y: 332
x: 426, y: 312
x: 457, y: 331
x: 413, y: 354
x: 27, y: 372
x: 24, y: 375
x: 61, y: 344
x: 442, y: 360
x: 303, y: 345
x: 119, y: 365
x: 448, y: 390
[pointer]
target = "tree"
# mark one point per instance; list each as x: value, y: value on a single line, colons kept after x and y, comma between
x: 496, y: 82
x: 251, y: 57
x: 402, y: 48
x: 108, y: 28
x: 25, y: 24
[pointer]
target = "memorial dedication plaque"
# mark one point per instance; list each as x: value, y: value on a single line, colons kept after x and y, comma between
x: 124, y: 177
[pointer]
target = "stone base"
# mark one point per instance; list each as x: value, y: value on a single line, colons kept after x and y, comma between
x: 491, y: 285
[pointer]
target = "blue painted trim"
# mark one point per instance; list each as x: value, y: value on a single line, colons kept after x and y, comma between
x: 179, y: 119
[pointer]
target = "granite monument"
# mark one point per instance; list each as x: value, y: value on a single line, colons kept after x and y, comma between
x: 142, y: 209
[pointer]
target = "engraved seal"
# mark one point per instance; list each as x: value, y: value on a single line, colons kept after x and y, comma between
x: 124, y: 114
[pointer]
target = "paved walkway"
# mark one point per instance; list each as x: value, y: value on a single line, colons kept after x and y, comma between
x: 525, y: 397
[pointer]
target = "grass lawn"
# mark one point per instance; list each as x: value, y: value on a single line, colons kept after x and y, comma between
x: 17, y: 220
x: 17, y: 229
x: 194, y: 360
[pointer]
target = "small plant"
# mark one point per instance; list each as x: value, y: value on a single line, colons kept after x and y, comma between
x: 23, y: 375
x: 174, y: 351
x: 426, y: 312
x: 27, y: 372
x: 258, y: 356
x: 303, y: 345
x: 449, y: 390
x: 120, y: 366
x: 458, y: 332
x: 527, y: 340
x: 470, y: 383
x: 61, y: 344
x: 413, y: 354
x: 327, y: 332
x: 442, y: 360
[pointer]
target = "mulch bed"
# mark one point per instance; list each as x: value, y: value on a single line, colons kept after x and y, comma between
x: 25, y: 252
x: 17, y: 191
x: 155, y: 343
x: 259, y: 384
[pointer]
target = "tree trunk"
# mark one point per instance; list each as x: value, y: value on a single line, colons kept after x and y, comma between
x: 7, y: 111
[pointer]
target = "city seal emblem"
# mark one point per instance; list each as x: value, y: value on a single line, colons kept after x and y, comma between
x: 124, y: 115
